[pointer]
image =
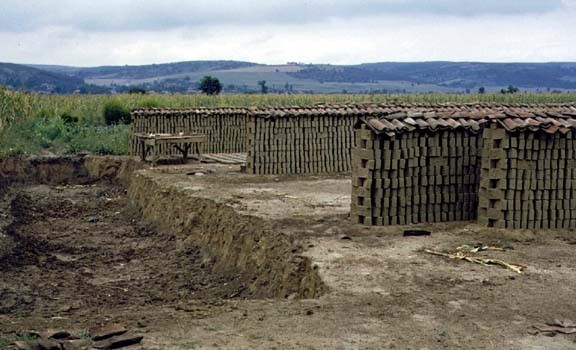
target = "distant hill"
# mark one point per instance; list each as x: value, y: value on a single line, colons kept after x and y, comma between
x: 471, y: 74
x: 451, y: 74
x: 32, y: 79
x: 243, y: 77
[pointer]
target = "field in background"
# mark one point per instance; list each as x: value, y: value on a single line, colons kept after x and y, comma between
x: 20, y: 134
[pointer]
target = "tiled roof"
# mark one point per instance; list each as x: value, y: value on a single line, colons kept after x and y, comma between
x: 150, y: 112
x: 550, y: 118
x: 392, y: 118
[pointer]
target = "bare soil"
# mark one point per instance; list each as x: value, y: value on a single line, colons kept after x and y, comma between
x: 84, y: 257
x: 81, y: 251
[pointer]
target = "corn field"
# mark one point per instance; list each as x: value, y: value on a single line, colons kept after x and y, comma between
x: 17, y: 106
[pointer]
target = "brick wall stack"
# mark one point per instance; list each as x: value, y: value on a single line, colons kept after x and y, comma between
x: 225, y: 127
x: 528, y: 179
x: 415, y: 177
x: 299, y: 144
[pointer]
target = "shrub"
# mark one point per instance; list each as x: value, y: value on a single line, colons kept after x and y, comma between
x: 137, y: 90
x: 67, y: 118
x: 116, y: 113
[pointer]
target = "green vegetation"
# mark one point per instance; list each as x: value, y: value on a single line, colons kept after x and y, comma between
x: 210, y: 85
x: 243, y: 77
x: 7, y: 340
x: 116, y: 113
x: 31, y: 123
x: 263, y: 87
x: 38, y: 135
x: 137, y: 90
x: 510, y: 90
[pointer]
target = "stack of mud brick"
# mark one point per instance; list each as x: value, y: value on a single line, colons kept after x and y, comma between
x: 299, y: 144
x: 415, y: 177
x: 528, y: 179
x: 225, y: 128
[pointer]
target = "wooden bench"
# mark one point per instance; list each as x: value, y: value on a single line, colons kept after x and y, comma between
x: 182, y: 142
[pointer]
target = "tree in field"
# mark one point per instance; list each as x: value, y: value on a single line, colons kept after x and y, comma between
x: 482, y: 90
x: 137, y: 91
x: 210, y: 85
x: 510, y: 90
x: 263, y: 87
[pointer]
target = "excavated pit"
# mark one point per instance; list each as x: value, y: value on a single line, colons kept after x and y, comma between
x: 79, y: 235
x: 268, y: 260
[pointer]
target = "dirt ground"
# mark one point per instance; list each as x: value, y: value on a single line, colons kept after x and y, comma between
x: 84, y: 257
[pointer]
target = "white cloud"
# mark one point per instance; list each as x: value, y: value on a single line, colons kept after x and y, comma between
x: 361, y: 37
x: 129, y: 15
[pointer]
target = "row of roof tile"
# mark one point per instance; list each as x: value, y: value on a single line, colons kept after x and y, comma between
x: 392, y: 118
x: 162, y: 112
x: 550, y: 118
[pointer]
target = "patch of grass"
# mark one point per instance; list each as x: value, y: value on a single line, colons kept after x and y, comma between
x: 7, y: 341
x: 55, y: 135
x: 84, y: 334
x: 189, y: 345
x: 100, y: 140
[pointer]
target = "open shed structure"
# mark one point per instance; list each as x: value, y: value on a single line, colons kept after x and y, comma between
x: 509, y: 166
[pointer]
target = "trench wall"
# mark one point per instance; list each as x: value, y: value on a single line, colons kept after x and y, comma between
x: 300, y: 144
x: 71, y: 170
x: 225, y: 128
x: 415, y: 177
x: 6, y: 197
x: 66, y: 170
x: 528, y: 179
x: 268, y: 261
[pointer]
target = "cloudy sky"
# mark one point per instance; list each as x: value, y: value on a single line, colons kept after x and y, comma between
x: 117, y: 32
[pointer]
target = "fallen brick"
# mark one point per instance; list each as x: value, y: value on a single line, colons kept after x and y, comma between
x: 118, y: 341
x: 101, y: 333
x: 27, y: 345
x: 52, y: 334
x: 76, y: 344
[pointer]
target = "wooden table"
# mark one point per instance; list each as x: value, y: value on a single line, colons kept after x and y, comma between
x: 182, y: 142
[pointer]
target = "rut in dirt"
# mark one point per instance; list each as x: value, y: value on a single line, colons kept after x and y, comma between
x: 83, y: 249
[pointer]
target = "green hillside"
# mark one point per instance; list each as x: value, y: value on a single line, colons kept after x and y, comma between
x: 243, y: 77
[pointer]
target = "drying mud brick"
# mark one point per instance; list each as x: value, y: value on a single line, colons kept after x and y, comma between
x: 509, y: 166
x: 415, y: 177
x: 225, y: 128
x: 299, y: 141
x: 528, y: 179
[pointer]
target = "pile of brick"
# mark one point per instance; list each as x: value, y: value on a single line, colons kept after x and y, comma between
x: 512, y: 166
x: 225, y: 128
x: 113, y: 336
x: 298, y: 143
x: 528, y: 179
x: 415, y: 177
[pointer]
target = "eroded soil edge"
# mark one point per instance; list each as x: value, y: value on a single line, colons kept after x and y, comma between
x: 268, y: 261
